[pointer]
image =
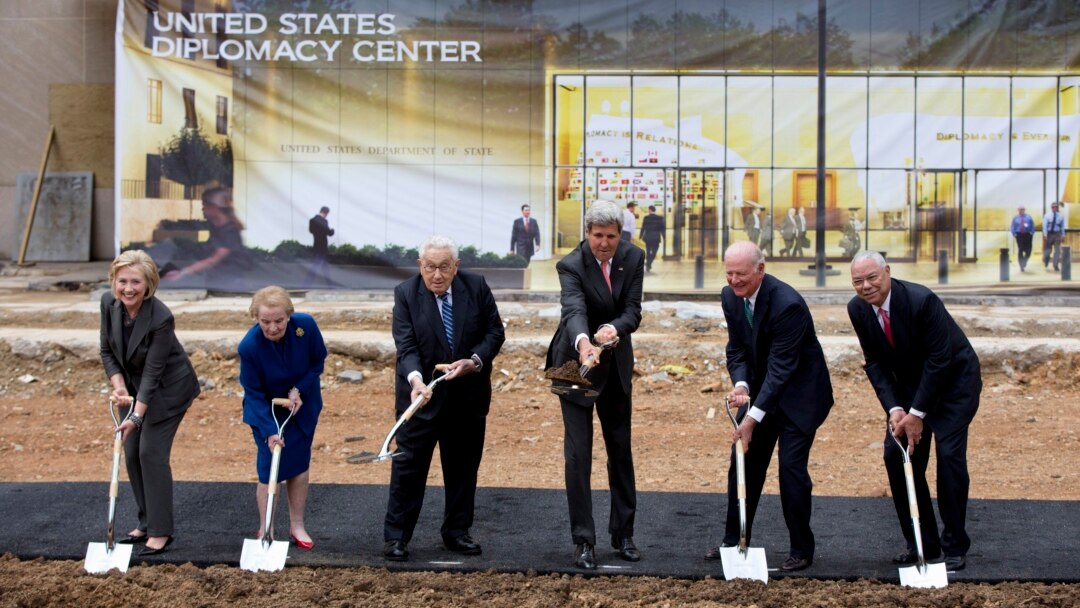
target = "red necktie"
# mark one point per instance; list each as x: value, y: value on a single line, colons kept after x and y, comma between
x: 526, y: 222
x: 605, y: 269
x: 885, y: 324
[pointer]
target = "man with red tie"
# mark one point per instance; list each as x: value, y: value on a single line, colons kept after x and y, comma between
x: 927, y: 378
x: 601, y: 283
x: 525, y: 235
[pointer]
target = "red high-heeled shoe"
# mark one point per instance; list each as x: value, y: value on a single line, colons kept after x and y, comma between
x: 307, y: 545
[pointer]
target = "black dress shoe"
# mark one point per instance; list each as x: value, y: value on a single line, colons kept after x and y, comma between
x: 584, y: 556
x: 463, y: 544
x: 794, y: 564
x: 626, y: 548
x: 131, y: 539
x: 158, y: 551
x: 714, y: 553
x: 906, y: 558
x: 396, y: 550
x: 955, y: 562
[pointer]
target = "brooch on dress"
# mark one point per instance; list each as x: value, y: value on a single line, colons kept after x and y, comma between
x: 299, y: 332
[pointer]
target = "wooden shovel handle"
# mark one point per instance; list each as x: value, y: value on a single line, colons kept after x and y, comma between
x: 282, y: 401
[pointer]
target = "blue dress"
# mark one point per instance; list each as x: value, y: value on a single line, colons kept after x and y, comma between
x: 270, y: 369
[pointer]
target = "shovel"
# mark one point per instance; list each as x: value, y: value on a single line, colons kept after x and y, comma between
x: 265, y: 553
x: 922, y: 574
x: 742, y: 561
x: 385, y: 453
x: 102, y: 557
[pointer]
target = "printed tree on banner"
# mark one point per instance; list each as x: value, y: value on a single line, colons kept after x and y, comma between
x: 189, y: 158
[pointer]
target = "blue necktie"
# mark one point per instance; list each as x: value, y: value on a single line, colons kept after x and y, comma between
x: 448, y: 319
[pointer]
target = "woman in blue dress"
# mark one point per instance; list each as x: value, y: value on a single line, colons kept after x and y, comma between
x: 282, y: 355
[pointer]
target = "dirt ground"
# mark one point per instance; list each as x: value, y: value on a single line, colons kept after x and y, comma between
x: 56, y: 428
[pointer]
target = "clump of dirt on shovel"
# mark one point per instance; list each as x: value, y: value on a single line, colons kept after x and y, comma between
x: 567, y: 372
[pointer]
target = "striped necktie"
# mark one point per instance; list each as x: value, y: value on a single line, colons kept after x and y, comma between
x: 749, y: 311
x: 448, y: 319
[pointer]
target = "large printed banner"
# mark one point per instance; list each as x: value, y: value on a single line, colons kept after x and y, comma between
x: 309, y: 145
x: 317, y: 143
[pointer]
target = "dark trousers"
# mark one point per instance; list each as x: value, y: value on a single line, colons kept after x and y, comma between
x: 1023, y: 248
x: 523, y: 251
x: 614, y: 409
x: 652, y: 246
x: 460, y: 437
x: 795, y: 482
x: 1052, y: 243
x: 952, y: 491
x: 146, y: 454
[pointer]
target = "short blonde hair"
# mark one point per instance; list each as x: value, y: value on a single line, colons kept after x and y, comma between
x: 141, y: 261
x: 271, y: 297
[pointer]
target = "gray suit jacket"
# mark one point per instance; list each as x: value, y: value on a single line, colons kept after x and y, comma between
x: 155, y: 367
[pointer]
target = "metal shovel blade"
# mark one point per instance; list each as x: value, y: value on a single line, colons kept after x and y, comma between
x: 256, y: 555
x: 929, y: 576
x: 369, y: 457
x: 751, y: 565
x: 100, y: 560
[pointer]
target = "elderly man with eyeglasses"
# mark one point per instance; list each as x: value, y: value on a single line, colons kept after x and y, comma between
x: 441, y: 315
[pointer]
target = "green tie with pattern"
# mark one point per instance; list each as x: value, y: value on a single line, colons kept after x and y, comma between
x: 749, y: 312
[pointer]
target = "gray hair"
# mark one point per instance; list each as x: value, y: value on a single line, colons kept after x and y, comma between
x: 439, y: 241
x: 603, y: 213
x: 869, y: 255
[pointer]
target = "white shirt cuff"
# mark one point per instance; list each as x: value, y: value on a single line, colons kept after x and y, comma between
x: 577, y: 339
x: 743, y: 384
x: 414, y: 373
x: 478, y: 361
x: 915, y: 412
x: 756, y: 413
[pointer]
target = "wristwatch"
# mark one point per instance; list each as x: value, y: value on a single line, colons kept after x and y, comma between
x: 137, y: 419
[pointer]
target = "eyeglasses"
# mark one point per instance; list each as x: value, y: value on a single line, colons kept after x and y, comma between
x: 431, y: 268
x: 870, y: 278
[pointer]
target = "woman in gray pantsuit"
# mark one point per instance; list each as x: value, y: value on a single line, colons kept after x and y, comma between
x: 143, y: 359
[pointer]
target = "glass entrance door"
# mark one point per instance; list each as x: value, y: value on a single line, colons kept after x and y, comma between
x: 699, y: 203
x: 939, y: 202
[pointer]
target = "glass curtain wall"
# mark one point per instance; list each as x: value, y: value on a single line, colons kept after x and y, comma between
x: 916, y: 165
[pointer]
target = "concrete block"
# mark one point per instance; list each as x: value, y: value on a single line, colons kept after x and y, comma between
x: 61, y: 229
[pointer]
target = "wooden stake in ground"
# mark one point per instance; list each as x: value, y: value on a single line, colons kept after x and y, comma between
x: 34, y: 198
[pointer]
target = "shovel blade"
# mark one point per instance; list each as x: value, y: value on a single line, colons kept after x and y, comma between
x: 100, y: 560
x: 256, y: 556
x: 368, y: 457
x: 752, y: 565
x: 932, y: 576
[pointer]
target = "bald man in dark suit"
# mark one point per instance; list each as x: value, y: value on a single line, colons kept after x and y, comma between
x: 783, y: 392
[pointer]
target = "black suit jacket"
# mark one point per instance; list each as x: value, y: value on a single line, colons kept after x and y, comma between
x: 780, y: 357
x: 932, y: 368
x: 587, y: 304
x: 320, y: 228
x: 421, y: 342
x: 524, y: 242
x: 652, y: 228
x: 155, y: 367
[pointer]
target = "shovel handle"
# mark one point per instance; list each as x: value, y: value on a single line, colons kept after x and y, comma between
x: 909, y: 480
x: 114, y: 483
x: 282, y: 401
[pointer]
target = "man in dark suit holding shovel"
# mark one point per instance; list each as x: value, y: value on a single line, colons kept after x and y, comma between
x: 928, y: 380
x: 441, y: 315
x: 783, y: 391
x: 601, y: 283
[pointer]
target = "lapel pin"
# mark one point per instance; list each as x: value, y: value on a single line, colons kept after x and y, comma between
x: 299, y: 332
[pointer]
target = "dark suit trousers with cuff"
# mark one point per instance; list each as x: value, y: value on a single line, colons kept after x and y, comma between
x: 613, y: 407
x: 460, y: 437
x: 795, y: 483
x: 146, y: 454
